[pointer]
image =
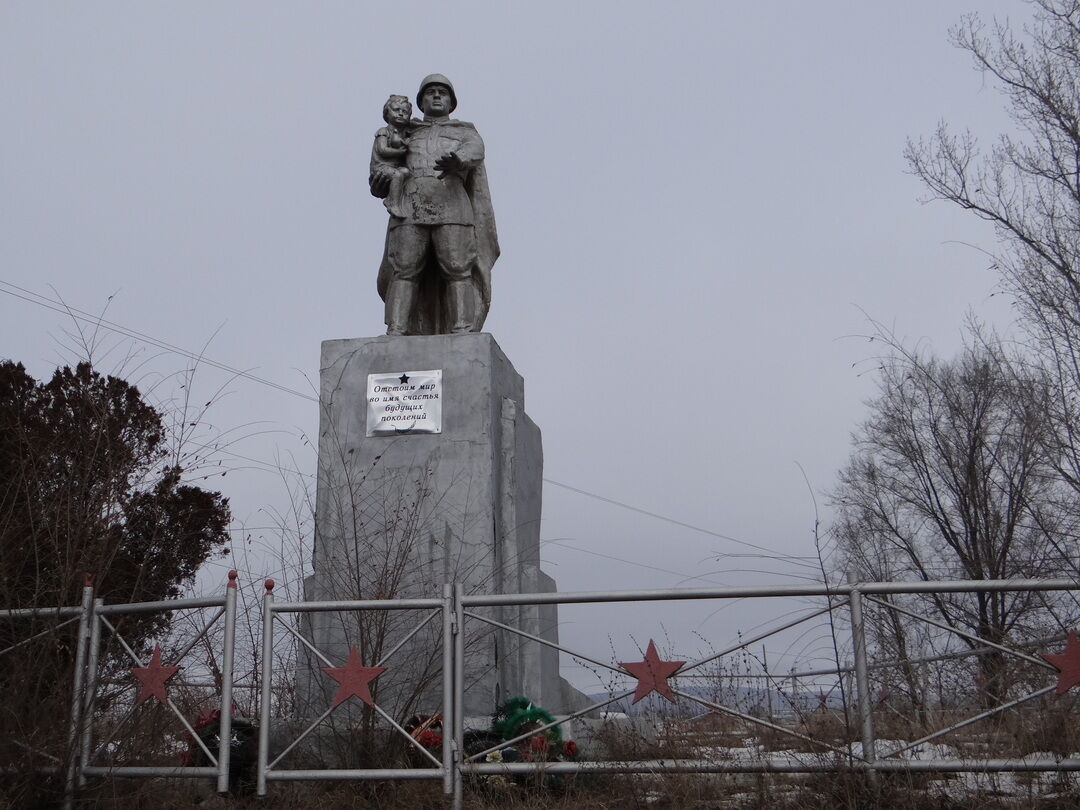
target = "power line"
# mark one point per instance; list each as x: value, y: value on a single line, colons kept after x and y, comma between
x: 63, y: 308
x: 266, y: 465
x: 680, y: 523
x: 629, y: 562
x: 78, y: 314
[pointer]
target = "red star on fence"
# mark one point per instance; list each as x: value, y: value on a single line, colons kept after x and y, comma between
x: 355, y: 679
x: 652, y: 674
x: 153, y: 678
x: 1067, y: 664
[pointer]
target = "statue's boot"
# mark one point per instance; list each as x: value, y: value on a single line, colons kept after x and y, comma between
x: 460, y: 298
x: 400, y: 300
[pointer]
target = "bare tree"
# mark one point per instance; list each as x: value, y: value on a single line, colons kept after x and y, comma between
x: 1028, y: 186
x: 951, y: 478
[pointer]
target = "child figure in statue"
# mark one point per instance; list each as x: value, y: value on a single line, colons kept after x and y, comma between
x: 388, y: 153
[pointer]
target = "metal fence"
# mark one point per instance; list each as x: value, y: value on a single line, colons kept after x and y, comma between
x: 63, y: 616
x: 102, y: 618
x: 94, y: 619
x: 272, y: 617
x: 461, y: 616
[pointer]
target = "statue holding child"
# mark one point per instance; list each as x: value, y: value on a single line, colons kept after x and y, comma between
x: 441, y: 242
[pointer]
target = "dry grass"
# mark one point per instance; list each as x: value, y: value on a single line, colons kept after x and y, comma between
x: 715, y: 737
x: 839, y: 791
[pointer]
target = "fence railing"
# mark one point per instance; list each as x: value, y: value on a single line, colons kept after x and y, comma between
x: 272, y: 613
x: 153, y: 677
x: 460, y: 616
x: 852, y: 596
x: 63, y: 616
x: 93, y: 619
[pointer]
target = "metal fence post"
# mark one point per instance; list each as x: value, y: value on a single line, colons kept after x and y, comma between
x: 862, y: 679
x: 225, y: 720
x: 90, y: 691
x: 264, y: 693
x: 458, y: 741
x: 448, y: 690
x: 74, y: 746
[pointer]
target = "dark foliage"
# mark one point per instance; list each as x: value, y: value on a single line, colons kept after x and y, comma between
x: 86, y: 485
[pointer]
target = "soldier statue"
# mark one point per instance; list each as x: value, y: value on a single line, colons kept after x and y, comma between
x: 441, y: 243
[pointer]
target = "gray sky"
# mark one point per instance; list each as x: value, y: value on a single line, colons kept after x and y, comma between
x: 699, y: 204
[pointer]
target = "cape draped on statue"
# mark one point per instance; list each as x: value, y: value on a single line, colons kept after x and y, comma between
x: 430, y: 316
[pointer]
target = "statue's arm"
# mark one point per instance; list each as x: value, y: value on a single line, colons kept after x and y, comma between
x: 469, y: 154
x: 380, y: 174
x: 387, y: 152
x: 471, y: 150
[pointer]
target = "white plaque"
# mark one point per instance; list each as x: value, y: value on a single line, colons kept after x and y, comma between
x: 404, y: 402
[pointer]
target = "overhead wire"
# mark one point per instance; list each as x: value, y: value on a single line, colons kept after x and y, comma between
x: 630, y: 562
x: 57, y: 305
x: 692, y: 527
x: 73, y: 312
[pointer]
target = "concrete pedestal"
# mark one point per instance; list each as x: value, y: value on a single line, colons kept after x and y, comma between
x: 398, y: 516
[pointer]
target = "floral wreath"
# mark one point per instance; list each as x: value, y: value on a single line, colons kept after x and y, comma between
x: 517, y: 715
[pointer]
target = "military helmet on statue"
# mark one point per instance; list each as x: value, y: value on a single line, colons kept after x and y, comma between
x: 436, y: 78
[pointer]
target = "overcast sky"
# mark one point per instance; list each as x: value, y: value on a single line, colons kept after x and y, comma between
x: 699, y: 207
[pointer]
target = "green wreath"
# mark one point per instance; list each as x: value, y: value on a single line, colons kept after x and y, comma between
x: 518, y: 715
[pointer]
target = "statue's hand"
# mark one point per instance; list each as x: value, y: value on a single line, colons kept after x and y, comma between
x: 450, y: 164
x: 380, y: 184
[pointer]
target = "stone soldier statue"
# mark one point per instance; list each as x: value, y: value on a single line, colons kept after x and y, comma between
x: 435, y: 275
